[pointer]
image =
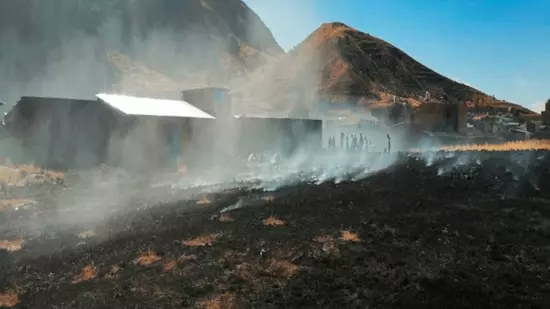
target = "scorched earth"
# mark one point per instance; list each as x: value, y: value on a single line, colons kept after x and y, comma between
x: 458, y: 233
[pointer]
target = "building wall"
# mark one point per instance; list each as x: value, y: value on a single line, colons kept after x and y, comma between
x: 340, y: 131
x: 61, y: 133
x: 462, y: 115
x: 148, y: 143
x: 284, y: 136
x: 69, y: 134
x: 219, y: 142
x: 214, y: 101
x: 546, y: 113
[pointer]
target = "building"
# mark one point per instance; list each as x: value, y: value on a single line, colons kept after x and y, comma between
x: 441, y: 117
x: 546, y: 113
x: 128, y: 131
x: 238, y: 133
x: 345, y: 125
x: 142, y: 133
x: 215, y: 101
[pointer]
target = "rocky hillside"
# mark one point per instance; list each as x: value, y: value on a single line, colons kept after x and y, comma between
x: 339, y: 63
x: 76, y: 48
x: 65, y: 47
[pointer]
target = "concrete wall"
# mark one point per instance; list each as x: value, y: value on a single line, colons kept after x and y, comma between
x: 335, y: 128
x: 60, y: 133
x: 214, y: 101
x: 441, y: 117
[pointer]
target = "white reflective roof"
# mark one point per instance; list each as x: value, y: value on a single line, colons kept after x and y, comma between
x: 152, y: 107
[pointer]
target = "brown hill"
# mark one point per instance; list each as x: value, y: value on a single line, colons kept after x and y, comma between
x: 191, y: 41
x: 339, y: 63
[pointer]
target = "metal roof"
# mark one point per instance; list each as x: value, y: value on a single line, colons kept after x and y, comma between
x: 139, y: 106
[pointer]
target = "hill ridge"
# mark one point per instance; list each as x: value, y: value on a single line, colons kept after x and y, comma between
x: 343, y: 63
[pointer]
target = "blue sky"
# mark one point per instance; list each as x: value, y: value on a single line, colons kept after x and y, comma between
x: 501, y: 47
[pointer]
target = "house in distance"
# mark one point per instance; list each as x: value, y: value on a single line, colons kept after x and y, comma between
x: 141, y: 133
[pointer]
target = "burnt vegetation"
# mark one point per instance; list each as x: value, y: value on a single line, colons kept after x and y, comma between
x: 416, y: 235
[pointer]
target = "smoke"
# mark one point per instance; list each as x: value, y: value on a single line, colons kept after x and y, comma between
x: 117, y: 57
x: 159, y: 48
x: 76, y: 49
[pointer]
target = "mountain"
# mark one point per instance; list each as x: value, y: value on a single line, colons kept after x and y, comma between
x: 71, y: 47
x: 76, y: 48
x: 339, y: 64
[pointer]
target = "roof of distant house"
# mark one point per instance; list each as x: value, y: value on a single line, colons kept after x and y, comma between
x: 152, y: 107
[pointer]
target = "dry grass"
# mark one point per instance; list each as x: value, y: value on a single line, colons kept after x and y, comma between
x: 327, y: 32
x: 386, y: 100
x: 28, y: 169
x: 508, y: 146
x: 338, y: 70
x: 87, y: 234
x: 8, y: 299
x: 147, y: 258
x: 87, y: 273
x: 9, y: 175
x: 268, y: 198
x: 28, y: 174
x: 272, y: 221
x: 184, y: 258
x: 349, y: 236
x: 11, y: 245
x: 15, y: 203
x: 204, y: 201
x: 281, y: 268
x: 221, y: 301
x: 113, y: 272
x: 170, y: 265
x: 323, y: 239
x: 201, y: 241
x: 481, y: 116
x: 56, y: 176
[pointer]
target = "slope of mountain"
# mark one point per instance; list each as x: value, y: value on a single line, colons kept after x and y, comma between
x: 45, y: 44
x: 339, y: 63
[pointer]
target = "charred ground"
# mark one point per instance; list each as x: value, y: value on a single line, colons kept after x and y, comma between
x: 413, y: 236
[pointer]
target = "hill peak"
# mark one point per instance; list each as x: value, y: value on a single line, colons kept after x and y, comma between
x: 337, y: 62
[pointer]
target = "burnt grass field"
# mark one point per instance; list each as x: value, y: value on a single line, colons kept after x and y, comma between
x: 453, y: 234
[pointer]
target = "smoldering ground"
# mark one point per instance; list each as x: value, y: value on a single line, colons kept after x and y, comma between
x: 407, y: 227
x: 97, y: 198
